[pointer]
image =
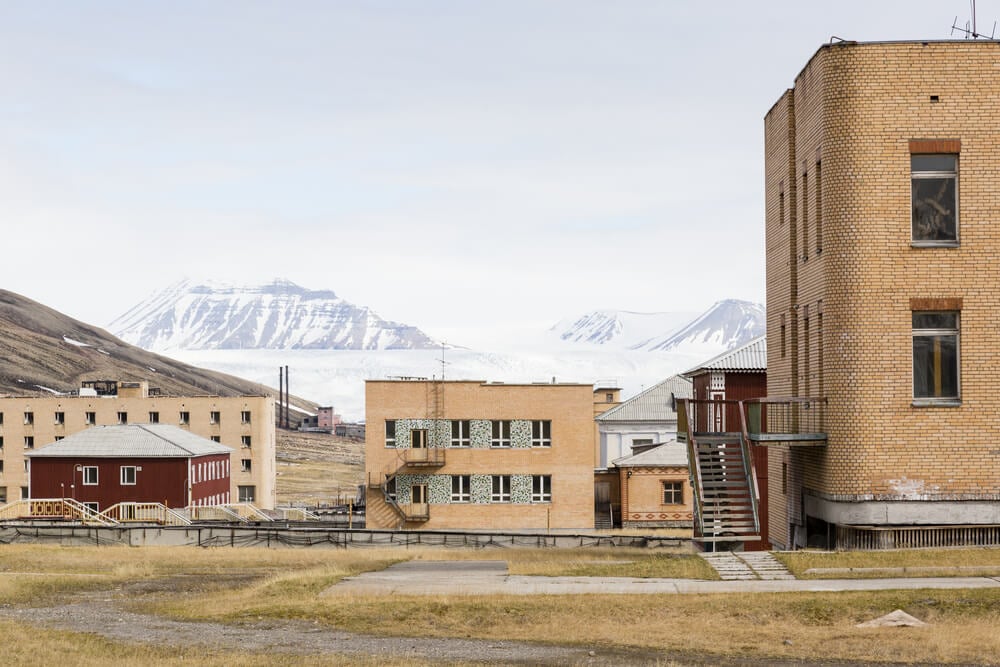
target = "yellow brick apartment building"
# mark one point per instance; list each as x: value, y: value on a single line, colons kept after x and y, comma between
x: 883, y: 293
x: 244, y: 423
x: 474, y: 455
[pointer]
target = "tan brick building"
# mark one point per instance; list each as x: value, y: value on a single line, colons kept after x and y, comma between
x: 475, y: 455
x: 245, y: 424
x: 883, y: 291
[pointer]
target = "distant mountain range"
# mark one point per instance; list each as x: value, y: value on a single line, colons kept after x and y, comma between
x: 723, y: 326
x: 277, y: 316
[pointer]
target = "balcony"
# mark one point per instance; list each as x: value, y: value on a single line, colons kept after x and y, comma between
x: 424, y: 457
x: 797, y: 422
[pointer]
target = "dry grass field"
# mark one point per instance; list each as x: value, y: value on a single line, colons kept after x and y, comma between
x: 317, y: 469
x: 955, y: 562
x: 271, y: 593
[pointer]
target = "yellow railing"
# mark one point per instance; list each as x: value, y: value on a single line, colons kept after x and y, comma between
x: 52, y: 508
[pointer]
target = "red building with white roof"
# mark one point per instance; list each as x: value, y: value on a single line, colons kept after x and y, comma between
x: 144, y: 463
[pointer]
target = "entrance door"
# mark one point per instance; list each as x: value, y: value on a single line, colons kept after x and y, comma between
x: 419, y: 509
x: 717, y: 422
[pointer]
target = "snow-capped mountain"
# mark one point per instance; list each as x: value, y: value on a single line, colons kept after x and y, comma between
x: 279, y: 315
x: 619, y: 328
x: 725, y: 325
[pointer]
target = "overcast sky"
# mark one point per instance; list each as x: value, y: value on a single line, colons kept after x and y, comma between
x: 452, y: 164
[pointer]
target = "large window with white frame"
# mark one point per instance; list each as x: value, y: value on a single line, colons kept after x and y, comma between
x: 89, y: 474
x: 673, y: 493
x: 541, y: 488
x: 460, y: 488
x: 934, y: 198
x: 460, y: 433
x: 500, y: 492
x: 935, y: 356
x: 500, y: 433
x: 128, y: 475
x: 541, y: 433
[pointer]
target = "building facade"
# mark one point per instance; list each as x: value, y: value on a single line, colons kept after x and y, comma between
x: 883, y: 288
x: 649, y: 417
x: 149, y: 463
x: 244, y: 424
x: 655, y: 487
x: 475, y: 455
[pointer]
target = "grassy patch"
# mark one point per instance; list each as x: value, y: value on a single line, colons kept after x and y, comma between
x: 868, y: 564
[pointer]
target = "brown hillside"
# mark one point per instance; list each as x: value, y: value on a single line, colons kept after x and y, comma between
x: 41, y: 349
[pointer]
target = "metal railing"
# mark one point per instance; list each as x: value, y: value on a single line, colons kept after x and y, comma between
x: 786, y: 420
x: 424, y: 456
x: 684, y: 422
x: 749, y: 470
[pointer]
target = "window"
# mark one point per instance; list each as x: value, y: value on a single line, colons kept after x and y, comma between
x: 1, y: 443
x: 418, y: 438
x: 541, y: 433
x: 154, y: 417
x: 245, y: 417
x: 501, y: 489
x: 609, y: 397
x: 782, y: 336
x: 805, y: 216
x: 185, y: 418
x: 94, y: 507
x: 89, y: 418
x: 128, y: 475
x: 935, y: 355
x: 541, y: 488
x: 214, y: 417
x: 673, y: 493
x: 245, y: 465
x: 89, y: 475
x: 3, y: 494
x: 59, y: 437
x: 29, y: 442
x: 24, y: 492
x: 390, y: 488
x: 1, y: 420
x: 122, y: 417
x: 216, y: 438
x: 460, y: 433
x: 460, y: 492
x: 390, y: 432
x: 247, y: 494
x: 641, y: 442
x: 29, y: 418
x: 500, y: 433
x: 934, y: 188
x: 27, y: 465
x: 245, y: 441
x: 819, y: 207
x: 60, y: 418
x: 1, y: 466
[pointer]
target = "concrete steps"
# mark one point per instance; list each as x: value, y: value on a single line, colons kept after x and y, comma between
x: 747, y: 565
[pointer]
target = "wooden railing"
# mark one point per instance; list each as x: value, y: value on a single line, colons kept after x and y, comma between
x: 53, y: 508
x: 145, y: 513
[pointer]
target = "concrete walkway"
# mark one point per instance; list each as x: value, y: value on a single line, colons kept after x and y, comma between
x: 491, y: 577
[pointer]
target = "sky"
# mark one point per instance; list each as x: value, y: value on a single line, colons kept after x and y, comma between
x: 457, y: 165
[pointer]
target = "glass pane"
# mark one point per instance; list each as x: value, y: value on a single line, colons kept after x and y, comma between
x: 935, y: 321
x: 935, y: 366
x: 933, y: 162
x: 934, y: 209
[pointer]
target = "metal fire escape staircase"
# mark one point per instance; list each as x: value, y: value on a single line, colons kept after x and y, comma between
x: 430, y: 456
x: 721, y: 470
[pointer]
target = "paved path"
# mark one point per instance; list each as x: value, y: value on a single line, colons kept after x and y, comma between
x: 490, y: 577
x: 747, y: 565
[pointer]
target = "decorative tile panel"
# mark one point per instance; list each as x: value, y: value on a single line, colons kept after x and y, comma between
x: 438, y: 432
x: 520, y: 434
x: 480, y: 433
x: 481, y: 487
x: 520, y: 488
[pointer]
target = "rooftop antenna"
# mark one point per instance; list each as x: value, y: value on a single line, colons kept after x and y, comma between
x: 443, y: 362
x: 969, y: 30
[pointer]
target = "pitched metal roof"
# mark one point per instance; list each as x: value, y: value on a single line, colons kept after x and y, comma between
x: 132, y: 441
x: 669, y: 453
x: 750, y: 357
x: 653, y: 404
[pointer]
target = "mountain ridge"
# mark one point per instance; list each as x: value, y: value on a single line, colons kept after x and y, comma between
x: 276, y: 315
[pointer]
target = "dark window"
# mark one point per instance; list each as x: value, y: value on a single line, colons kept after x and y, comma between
x: 89, y: 475
x: 247, y: 494
x: 245, y: 441
x: 390, y: 432
x: 29, y: 442
x: 185, y: 418
x: 460, y: 492
x: 89, y: 418
x: 60, y: 418
x: 245, y: 417
x: 122, y: 417
x: 541, y: 488
x: 934, y: 182
x: 214, y: 417
x: 245, y: 465
x: 128, y: 475
x: 154, y: 417
x: 935, y: 355
x: 541, y: 433
x: 673, y: 493
x: 29, y: 418
x: 460, y: 433
x: 501, y: 489
x: 500, y: 433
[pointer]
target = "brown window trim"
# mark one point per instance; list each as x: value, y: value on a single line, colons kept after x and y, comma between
x: 927, y: 304
x: 934, y: 146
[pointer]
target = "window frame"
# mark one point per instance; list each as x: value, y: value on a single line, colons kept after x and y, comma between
x: 463, y: 494
x: 544, y: 437
x: 123, y: 476
x: 84, y: 476
x: 930, y: 333
x: 500, y: 489
x: 245, y: 490
x: 246, y: 465
x: 245, y: 442
x: 390, y: 439
x: 59, y: 419
x: 498, y: 439
x: 184, y: 417
x: 461, y: 433
x: 675, y: 489
x: 541, y: 488
x: 934, y: 174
